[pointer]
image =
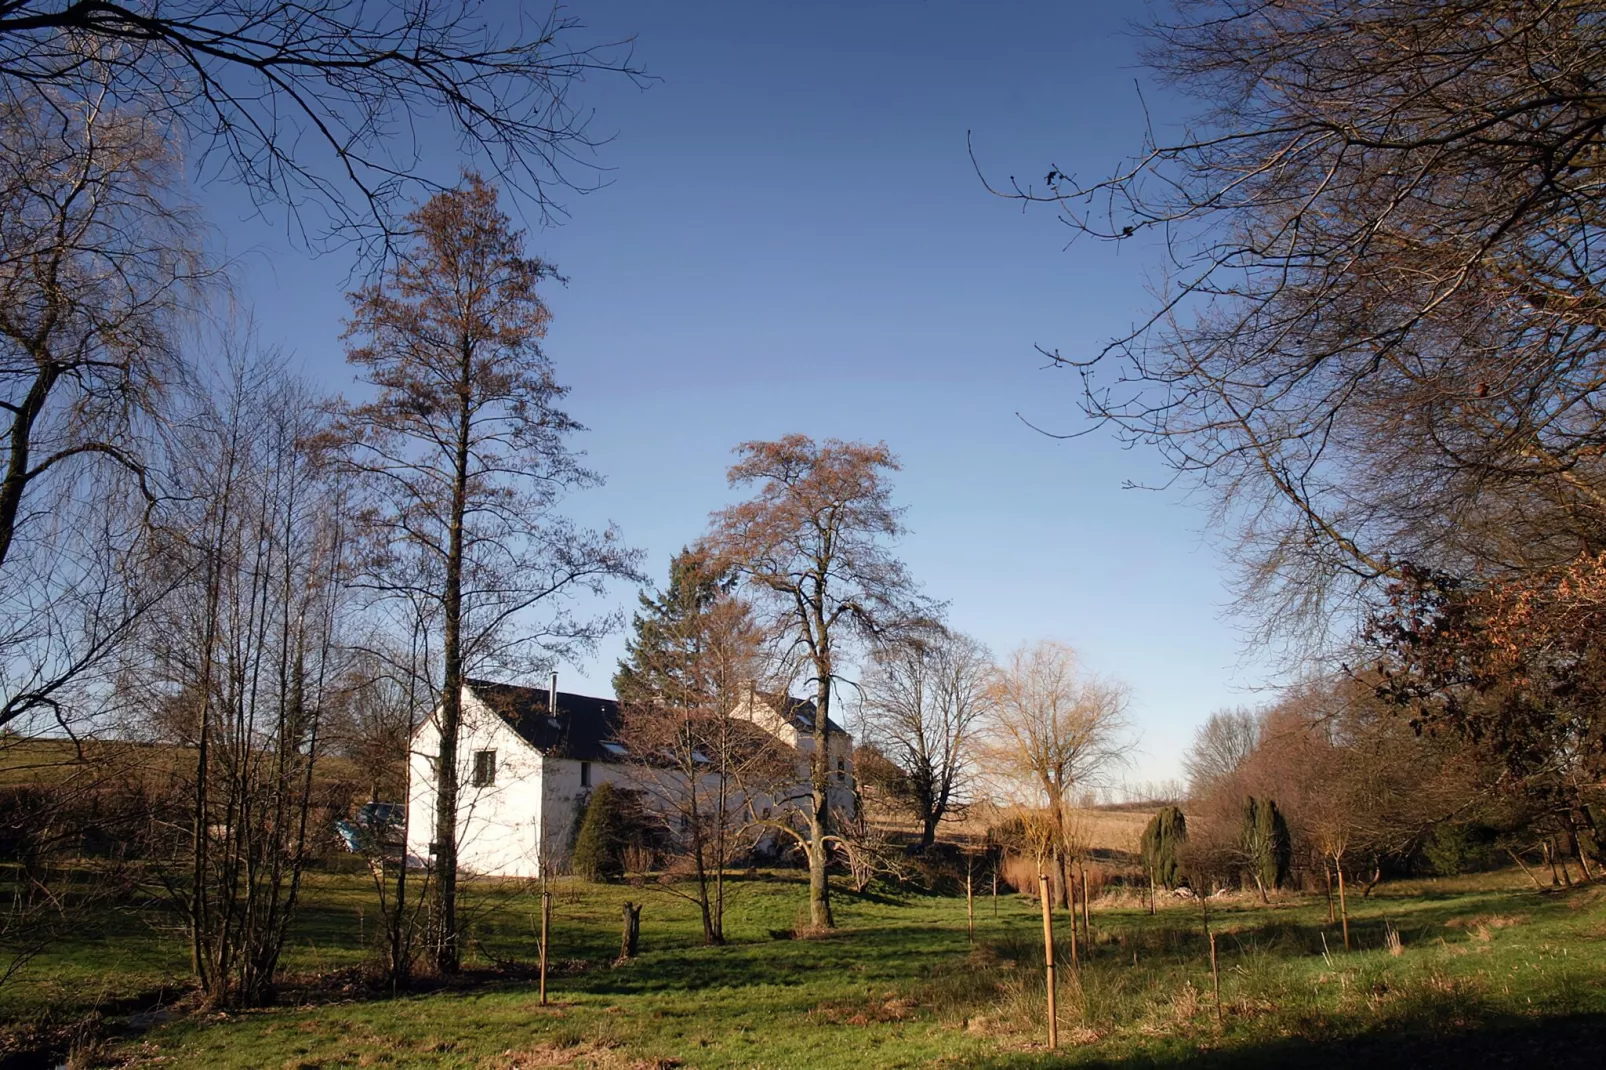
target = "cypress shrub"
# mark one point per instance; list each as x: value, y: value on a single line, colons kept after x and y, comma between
x: 1266, y: 844
x: 1162, y: 846
x: 599, y: 849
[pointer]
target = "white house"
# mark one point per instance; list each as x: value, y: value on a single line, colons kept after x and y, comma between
x: 524, y: 772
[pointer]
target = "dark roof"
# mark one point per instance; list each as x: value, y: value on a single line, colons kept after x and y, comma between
x: 582, y: 726
x: 798, y: 711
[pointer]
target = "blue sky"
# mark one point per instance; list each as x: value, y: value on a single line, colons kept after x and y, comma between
x: 793, y: 238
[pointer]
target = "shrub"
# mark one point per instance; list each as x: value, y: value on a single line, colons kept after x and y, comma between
x: 1266, y: 844
x: 599, y: 848
x: 1452, y: 848
x: 1161, y: 847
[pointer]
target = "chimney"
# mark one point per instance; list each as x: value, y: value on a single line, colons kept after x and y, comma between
x: 552, y: 697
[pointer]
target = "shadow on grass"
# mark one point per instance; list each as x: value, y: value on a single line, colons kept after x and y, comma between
x: 1571, y: 1041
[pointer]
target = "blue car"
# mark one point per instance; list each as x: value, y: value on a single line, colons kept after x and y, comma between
x: 375, y: 829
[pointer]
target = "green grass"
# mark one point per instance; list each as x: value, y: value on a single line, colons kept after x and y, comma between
x: 1489, y: 969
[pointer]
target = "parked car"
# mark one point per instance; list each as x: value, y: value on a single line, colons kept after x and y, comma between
x: 376, y: 828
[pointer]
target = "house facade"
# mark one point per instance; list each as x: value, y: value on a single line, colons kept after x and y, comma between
x: 528, y: 759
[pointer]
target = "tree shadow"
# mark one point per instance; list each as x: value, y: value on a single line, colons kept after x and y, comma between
x: 1567, y: 1041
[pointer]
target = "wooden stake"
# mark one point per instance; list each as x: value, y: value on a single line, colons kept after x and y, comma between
x: 1048, y: 961
x: 1087, y: 917
x: 970, y: 901
x: 1070, y: 897
x: 630, y: 933
x: 995, y: 888
x: 1343, y: 904
x: 1215, y: 976
x: 546, y: 928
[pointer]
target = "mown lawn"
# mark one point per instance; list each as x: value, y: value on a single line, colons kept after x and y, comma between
x: 1491, y: 973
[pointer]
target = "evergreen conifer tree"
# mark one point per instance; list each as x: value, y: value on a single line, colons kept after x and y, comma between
x: 599, y: 848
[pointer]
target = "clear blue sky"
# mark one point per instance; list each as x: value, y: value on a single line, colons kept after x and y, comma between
x: 794, y: 239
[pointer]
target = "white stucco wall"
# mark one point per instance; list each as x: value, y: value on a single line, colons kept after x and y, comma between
x: 498, y: 826
x: 512, y: 827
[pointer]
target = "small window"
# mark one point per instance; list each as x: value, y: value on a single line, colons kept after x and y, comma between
x: 484, y: 768
x: 585, y: 774
x: 841, y: 769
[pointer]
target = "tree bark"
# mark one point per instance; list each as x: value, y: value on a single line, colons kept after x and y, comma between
x: 820, y: 813
x: 445, y: 902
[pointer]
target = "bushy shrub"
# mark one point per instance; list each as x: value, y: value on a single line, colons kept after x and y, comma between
x: 1451, y: 848
x: 1266, y: 844
x: 1161, y: 847
x: 599, y: 848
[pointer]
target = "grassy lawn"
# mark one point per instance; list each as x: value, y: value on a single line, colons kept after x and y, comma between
x: 1490, y: 970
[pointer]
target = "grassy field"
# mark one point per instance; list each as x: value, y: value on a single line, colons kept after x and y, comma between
x: 1488, y: 969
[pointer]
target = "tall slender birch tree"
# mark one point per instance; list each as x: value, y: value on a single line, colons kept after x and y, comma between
x: 467, y: 456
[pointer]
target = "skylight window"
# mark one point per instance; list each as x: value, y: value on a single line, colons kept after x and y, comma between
x: 618, y: 750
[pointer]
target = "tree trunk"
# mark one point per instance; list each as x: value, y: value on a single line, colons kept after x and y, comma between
x: 820, y: 813
x: 1087, y: 916
x: 1327, y: 880
x: 445, y: 902
x: 546, y: 930
x: 1523, y: 865
x: 630, y: 931
x: 19, y: 448
x: 1048, y: 960
x: 1070, y: 894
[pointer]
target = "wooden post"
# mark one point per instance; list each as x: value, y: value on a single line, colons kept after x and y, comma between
x: 1327, y: 879
x: 1087, y: 917
x: 546, y: 928
x: 1048, y: 960
x: 1215, y: 976
x: 970, y: 899
x: 1070, y: 896
x: 1343, y: 904
x: 630, y: 933
x: 995, y: 887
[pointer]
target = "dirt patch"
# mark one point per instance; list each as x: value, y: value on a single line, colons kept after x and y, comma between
x: 891, y: 1008
x: 591, y: 1055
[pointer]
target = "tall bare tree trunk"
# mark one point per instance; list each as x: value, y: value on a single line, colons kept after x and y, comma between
x: 820, y: 812
x: 445, y: 922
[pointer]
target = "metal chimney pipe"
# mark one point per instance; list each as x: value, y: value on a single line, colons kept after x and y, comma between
x: 552, y: 697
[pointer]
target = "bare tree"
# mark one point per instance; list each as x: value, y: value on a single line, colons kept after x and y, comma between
x: 318, y: 105
x: 924, y: 699
x: 813, y: 542
x: 249, y: 651
x: 99, y: 265
x: 696, y: 651
x: 1382, y: 335
x: 1220, y: 748
x: 465, y: 452
x: 1054, y: 729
